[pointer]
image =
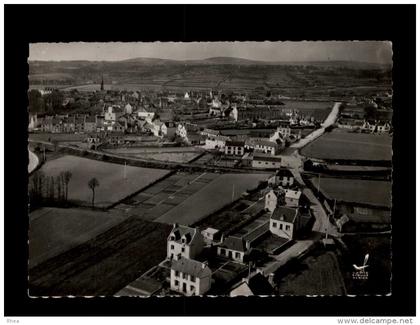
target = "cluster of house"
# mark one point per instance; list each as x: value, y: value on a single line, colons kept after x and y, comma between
x: 190, y: 275
x: 364, y: 125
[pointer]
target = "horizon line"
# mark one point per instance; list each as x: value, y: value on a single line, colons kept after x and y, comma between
x: 208, y: 58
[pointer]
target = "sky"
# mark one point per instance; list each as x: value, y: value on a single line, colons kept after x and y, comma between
x: 364, y: 51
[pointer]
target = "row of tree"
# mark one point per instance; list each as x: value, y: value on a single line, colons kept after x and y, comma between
x: 49, y: 189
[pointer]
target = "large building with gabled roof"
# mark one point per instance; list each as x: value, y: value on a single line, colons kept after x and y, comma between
x: 184, y: 241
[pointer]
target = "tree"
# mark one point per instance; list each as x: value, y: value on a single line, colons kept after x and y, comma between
x: 66, y: 179
x: 92, y: 184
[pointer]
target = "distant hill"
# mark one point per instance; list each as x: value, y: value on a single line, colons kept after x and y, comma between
x: 141, y: 61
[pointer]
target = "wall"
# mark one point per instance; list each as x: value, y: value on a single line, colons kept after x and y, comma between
x: 281, y: 232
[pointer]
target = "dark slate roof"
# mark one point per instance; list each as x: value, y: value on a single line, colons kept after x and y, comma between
x: 191, y: 267
x: 179, y: 231
x: 285, y: 214
x: 235, y: 143
x: 234, y: 243
x: 260, y: 286
x: 284, y: 172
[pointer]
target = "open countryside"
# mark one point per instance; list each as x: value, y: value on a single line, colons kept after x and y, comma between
x: 345, y: 145
x: 115, y: 181
x: 216, y: 176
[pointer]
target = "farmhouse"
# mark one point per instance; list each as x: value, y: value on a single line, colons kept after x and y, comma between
x: 283, y: 222
x: 283, y: 177
x: 265, y: 161
x: 190, y: 277
x: 292, y: 198
x: 185, y: 241
x: 233, y: 248
x: 235, y: 148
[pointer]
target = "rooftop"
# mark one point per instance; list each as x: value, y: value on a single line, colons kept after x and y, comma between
x: 192, y: 267
x: 234, y: 243
x: 285, y: 214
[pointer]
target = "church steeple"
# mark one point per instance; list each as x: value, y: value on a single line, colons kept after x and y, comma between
x: 102, y: 83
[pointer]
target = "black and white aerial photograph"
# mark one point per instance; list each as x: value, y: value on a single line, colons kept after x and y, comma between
x: 210, y: 168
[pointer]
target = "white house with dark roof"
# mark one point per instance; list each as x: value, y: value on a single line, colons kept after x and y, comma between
x: 184, y: 241
x: 190, y: 277
x: 292, y: 198
x: 233, y: 248
x: 283, y: 222
x: 262, y: 145
x: 235, y: 148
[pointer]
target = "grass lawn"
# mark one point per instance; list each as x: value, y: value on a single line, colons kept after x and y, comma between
x: 318, y: 274
x: 356, y: 190
x: 340, y: 144
x: 112, y: 185
x: 105, y: 264
x: 54, y: 230
x: 211, y: 198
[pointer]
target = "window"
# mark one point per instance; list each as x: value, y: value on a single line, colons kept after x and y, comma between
x: 176, y: 282
x: 183, y: 249
x: 281, y: 226
x: 237, y: 255
x: 192, y: 288
x: 185, y: 276
x: 172, y: 246
x: 287, y: 227
x: 222, y: 251
x: 274, y: 224
x: 176, y: 273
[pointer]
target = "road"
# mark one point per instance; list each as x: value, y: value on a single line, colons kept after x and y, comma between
x: 330, y: 120
x: 33, y: 161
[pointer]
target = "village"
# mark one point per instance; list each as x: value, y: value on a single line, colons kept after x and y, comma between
x: 249, y: 241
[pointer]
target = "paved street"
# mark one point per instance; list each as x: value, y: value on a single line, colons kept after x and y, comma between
x: 294, y: 251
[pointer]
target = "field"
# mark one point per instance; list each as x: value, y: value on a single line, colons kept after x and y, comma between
x: 187, y: 198
x: 340, y: 144
x: 54, y: 230
x: 356, y: 190
x: 318, y: 274
x: 174, y: 154
x: 112, y: 184
x: 103, y: 265
x: 211, y: 198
